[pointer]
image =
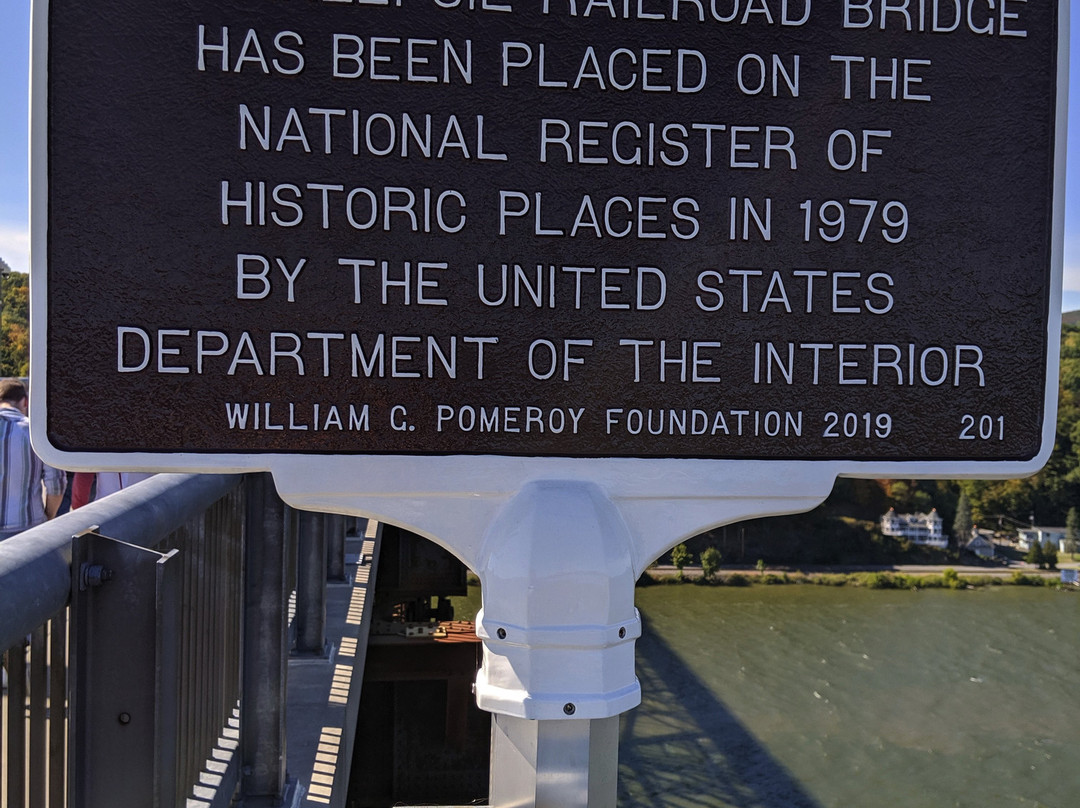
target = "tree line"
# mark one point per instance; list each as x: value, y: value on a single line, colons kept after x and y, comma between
x: 15, y: 325
x: 1048, y: 497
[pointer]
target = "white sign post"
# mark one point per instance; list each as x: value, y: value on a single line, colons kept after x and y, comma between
x: 555, y: 285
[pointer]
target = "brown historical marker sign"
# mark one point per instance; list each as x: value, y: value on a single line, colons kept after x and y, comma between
x: 739, y: 229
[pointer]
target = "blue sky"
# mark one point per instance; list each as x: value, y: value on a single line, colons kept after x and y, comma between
x: 14, y: 139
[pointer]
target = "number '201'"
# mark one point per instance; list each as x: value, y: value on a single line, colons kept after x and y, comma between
x: 982, y: 427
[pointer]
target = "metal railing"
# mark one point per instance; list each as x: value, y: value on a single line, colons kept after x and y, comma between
x: 32, y: 739
x: 187, y: 532
x: 211, y: 637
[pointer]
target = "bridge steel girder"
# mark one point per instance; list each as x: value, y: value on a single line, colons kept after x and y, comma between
x: 264, y: 780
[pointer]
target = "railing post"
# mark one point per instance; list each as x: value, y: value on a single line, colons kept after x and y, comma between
x: 58, y: 677
x: 16, y: 724
x: 124, y: 698
x: 39, y: 757
x: 335, y: 547
x: 311, y: 586
x: 264, y: 780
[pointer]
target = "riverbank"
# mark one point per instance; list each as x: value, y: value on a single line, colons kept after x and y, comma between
x: 877, y: 577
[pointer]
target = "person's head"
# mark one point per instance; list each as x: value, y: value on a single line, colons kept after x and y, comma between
x: 13, y: 393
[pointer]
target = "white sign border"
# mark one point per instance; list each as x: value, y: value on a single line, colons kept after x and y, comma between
x: 378, y: 477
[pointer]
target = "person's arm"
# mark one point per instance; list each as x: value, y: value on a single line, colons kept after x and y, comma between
x: 54, y: 482
x: 52, y: 505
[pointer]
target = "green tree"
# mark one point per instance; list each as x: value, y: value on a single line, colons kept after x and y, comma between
x: 710, y: 562
x: 1072, y: 531
x: 14, y: 325
x: 962, y: 523
x: 1035, y: 554
x: 680, y: 557
x: 909, y: 496
x: 1050, y: 557
x: 1054, y: 490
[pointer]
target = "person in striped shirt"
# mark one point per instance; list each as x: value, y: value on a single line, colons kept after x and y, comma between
x: 30, y: 491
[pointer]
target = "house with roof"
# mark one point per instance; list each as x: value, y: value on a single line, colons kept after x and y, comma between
x: 1047, y: 536
x: 918, y: 528
x: 981, y: 544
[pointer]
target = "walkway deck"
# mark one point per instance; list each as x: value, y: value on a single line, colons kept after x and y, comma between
x: 323, y: 694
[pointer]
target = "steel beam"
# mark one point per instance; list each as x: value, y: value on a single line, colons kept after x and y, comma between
x: 15, y: 794
x: 311, y: 586
x: 335, y: 547
x: 265, y: 655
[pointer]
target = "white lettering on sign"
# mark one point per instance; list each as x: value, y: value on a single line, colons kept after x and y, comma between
x: 318, y: 417
x: 797, y: 290
x: 702, y: 144
x: 981, y: 17
x: 354, y: 355
x: 876, y: 364
x: 683, y: 361
x: 540, y: 286
x: 375, y: 134
x: 517, y: 419
x: 656, y: 70
x: 419, y: 210
x: 894, y: 79
x: 253, y: 276
x: 390, y: 58
x: 614, y: 217
x: 696, y: 422
x: 246, y: 52
x: 739, y: 12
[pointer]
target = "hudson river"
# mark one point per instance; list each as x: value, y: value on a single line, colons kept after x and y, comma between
x: 815, y: 697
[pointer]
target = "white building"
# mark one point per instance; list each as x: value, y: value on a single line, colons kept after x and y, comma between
x: 918, y: 528
x: 1048, y: 536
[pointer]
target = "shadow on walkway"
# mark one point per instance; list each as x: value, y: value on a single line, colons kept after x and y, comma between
x: 682, y: 748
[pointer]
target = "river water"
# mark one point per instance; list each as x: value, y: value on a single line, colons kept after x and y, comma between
x: 813, y: 696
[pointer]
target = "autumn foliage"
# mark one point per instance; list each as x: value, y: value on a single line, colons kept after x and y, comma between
x: 15, y: 326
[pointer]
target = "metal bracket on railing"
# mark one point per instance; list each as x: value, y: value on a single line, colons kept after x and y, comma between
x: 91, y: 575
x: 124, y: 669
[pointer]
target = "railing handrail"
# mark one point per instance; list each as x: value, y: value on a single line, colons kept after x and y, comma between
x: 35, y: 566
